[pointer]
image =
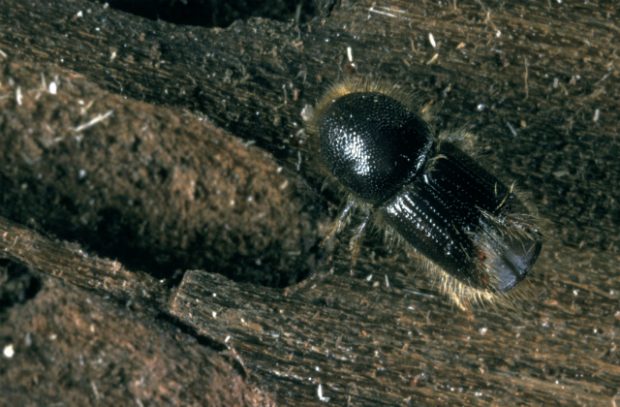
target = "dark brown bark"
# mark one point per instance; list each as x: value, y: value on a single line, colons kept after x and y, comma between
x: 155, y: 187
x: 538, y: 84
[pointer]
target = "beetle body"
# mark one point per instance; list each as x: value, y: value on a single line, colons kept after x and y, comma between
x: 470, y: 226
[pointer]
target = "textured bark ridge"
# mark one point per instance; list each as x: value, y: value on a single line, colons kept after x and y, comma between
x: 161, y: 216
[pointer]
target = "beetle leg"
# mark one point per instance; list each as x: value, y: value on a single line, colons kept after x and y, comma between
x: 341, y: 222
x: 355, y: 244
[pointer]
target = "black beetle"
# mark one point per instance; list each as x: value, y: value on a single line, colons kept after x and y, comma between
x: 473, y: 229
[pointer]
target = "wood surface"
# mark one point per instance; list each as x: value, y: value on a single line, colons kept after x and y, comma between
x: 131, y: 213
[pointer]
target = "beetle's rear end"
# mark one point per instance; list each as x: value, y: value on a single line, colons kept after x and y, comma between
x: 469, y: 224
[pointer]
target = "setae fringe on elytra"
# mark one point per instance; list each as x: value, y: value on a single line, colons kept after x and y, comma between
x: 474, y: 232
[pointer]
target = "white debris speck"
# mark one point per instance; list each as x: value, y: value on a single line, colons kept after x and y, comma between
x: 18, y: 96
x: 79, y: 14
x: 512, y: 129
x: 214, y: 314
x: 350, y: 54
x: 383, y: 11
x: 298, y: 164
x: 597, y: 115
x: 498, y: 34
x: 97, y: 119
x: 483, y: 331
x: 433, y: 58
x: 52, y: 88
x: 307, y: 112
x: 319, y: 393
x: 8, y: 351
x: 431, y: 39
